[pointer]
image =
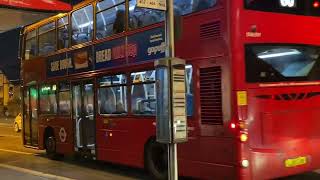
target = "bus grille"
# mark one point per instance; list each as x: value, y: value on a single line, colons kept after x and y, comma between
x: 210, y: 30
x: 211, y: 95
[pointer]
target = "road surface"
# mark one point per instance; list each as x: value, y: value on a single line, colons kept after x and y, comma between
x: 19, y: 163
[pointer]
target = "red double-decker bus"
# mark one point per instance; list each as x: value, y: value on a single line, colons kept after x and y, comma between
x: 252, y: 86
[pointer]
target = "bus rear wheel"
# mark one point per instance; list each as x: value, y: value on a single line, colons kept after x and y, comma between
x: 156, y: 160
x: 50, y: 143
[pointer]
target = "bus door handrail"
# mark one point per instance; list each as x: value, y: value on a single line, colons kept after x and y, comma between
x: 78, y: 132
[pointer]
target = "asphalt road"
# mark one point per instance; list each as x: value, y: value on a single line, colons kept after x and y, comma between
x: 19, y: 163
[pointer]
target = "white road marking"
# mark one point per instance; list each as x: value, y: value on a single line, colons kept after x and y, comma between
x: 35, y: 173
x: 9, y: 135
x: 17, y: 152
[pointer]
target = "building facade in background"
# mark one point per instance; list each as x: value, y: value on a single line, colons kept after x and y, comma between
x: 9, y: 97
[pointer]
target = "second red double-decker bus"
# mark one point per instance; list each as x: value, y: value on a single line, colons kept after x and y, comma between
x: 252, y: 86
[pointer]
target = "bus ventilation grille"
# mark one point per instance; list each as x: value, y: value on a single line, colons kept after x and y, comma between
x: 211, y: 96
x: 210, y: 30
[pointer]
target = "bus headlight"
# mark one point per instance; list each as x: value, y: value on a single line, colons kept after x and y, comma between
x: 245, y: 163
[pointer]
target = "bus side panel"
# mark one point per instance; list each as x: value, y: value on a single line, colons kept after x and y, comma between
x: 63, y: 133
x: 41, y: 136
x: 122, y: 139
x: 208, y: 158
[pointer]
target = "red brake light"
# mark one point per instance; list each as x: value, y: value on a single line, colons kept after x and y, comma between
x: 316, y: 4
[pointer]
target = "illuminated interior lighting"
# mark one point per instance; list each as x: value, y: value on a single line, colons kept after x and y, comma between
x: 316, y: 4
x: 188, y: 66
x: 131, y: 8
x: 85, y: 24
x: 278, y: 54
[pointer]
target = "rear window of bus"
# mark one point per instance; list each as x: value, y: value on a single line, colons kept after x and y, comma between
x: 278, y: 63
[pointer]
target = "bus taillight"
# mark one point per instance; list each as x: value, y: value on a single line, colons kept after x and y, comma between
x: 243, y: 137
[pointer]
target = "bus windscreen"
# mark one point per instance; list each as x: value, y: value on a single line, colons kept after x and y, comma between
x: 305, y: 7
x: 281, y: 63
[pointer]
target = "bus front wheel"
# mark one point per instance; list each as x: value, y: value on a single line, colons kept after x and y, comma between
x: 156, y: 159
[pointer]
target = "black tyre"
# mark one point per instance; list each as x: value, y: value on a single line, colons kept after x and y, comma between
x: 156, y: 160
x: 51, y: 147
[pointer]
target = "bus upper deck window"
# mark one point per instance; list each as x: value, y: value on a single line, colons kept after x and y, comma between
x: 110, y: 18
x: 47, y: 38
x: 63, y: 32
x: 82, y: 25
x: 140, y: 17
x: 31, y: 45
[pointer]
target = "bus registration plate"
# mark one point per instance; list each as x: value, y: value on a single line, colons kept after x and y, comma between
x: 295, y: 162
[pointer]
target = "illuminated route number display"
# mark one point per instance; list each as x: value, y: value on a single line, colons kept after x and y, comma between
x: 288, y: 3
x: 299, y: 7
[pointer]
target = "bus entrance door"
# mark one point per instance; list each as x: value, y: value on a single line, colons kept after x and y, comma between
x: 30, y: 117
x: 83, y: 117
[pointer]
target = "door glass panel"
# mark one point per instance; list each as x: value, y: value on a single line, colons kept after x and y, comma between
x: 34, y: 115
x: 26, y: 118
x: 89, y: 114
x: 76, y: 91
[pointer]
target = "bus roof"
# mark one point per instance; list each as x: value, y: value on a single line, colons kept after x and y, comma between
x: 37, y: 5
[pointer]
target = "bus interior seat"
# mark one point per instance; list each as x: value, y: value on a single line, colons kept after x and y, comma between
x: 47, y: 48
x: 118, y: 25
x: 80, y: 37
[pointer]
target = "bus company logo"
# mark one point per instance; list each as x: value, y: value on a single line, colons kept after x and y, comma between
x: 61, y: 65
x: 290, y: 97
x: 62, y: 135
x: 159, y: 48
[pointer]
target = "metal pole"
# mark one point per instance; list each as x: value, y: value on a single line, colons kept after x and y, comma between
x: 172, y: 147
x: 170, y: 29
x: 173, y: 162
